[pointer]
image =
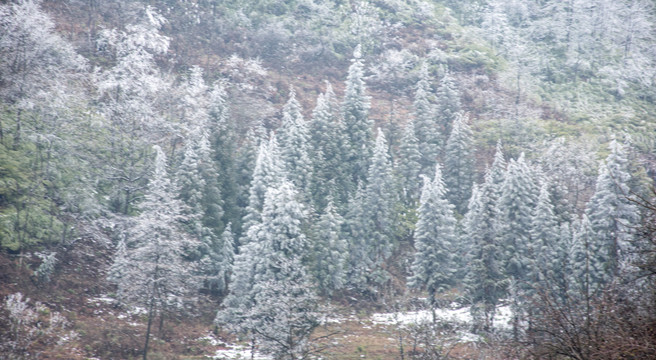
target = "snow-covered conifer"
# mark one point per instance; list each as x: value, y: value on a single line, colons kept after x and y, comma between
x: 515, y: 206
x: 612, y: 215
x: 426, y: 129
x: 448, y: 103
x: 459, y: 164
x: 330, y: 251
x: 294, y: 139
x: 485, y: 279
x: 408, y: 166
x: 435, y: 235
x: 355, y: 109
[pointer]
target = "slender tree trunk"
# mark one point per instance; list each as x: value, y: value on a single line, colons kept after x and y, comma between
x: 150, y: 322
x: 17, y: 135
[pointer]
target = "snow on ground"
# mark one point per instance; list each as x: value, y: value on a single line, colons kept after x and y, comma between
x: 453, y: 315
x: 235, y: 352
x: 230, y: 351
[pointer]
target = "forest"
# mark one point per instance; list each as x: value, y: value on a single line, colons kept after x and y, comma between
x: 328, y: 179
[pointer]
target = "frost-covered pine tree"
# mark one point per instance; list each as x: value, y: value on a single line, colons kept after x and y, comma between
x: 448, y: 103
x: 279, y: 306
x: 328, y: 140
x: 588, y: 259
x: 496, y: 174
x: 227, y: 156
x: 197, y: 179
x: 380, y: 202
x: 149, y: 269
x: 515, y: 206
x: 268, y: 172
x: 294, y: 139
x: 426, y: 128
x: 330, y: 253
x: 372, y: 220
x: 356, y: 230
x: 408, y: 165
x: 355, y: 109
x: 435, y: 235
x: 459, y: 164
x: 545, y: 239
x: 612, y: 215
x: 485, y: 279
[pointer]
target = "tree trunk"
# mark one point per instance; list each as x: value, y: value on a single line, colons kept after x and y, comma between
x: 150, y: 323
x: 17, y: 135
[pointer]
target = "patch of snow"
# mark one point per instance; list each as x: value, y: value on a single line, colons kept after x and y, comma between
x: 210, y: 339
x: 455, y: 315
x: 236, y: 352
x: 103, y: 299
x: 137, y: 311
x: 466, y: 336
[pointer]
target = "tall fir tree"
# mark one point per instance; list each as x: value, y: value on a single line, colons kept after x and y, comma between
x: 435, y: 236
x: 588, y: 260
x: 459, y: 164
x: 328, y: 140
x: 373, y: 227
x: 268, y: 172
x: 330, y: 253
x: 279, y: 306
x: 150, y: 269
x: 408, y: 165
x: 225, y: 153
x: 448, y: 102
x: 485, y: 280
x: 380, y: 202
x: 545, y: 239
x: 515, y: 206
x: 358, y: 126
x: 294, y: 139
x: 612, y: 215
x: 426, y: 128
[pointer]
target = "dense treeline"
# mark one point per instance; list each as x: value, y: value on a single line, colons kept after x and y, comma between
x: 276, y: 198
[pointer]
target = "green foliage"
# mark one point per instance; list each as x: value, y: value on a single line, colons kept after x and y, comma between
x: 28, y: 216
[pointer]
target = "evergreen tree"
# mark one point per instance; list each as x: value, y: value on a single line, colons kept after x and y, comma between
x: 588, y: 261
x: 356, y: 231
x: 435, y: 235
x: 355, y: 109
x: 545, y: 239
x: 278, y: 306
x: 149, y: 268
x: 268, y: 172
x: 495, y: 176
x: 294, y: 139
x: 380, y: 202
x: 226, y: 155
x: 426, y: 128
x: 327, y: 137
x: 244, y: 165
x: 612, y: 215
x: 516, y: 206
x: 198, y: 180
x: 373, y: 226
x: 330, y: 251
x: 459, y: 164
x: 409, y: 166
x: 448, y: 103
x: 485, y: 280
